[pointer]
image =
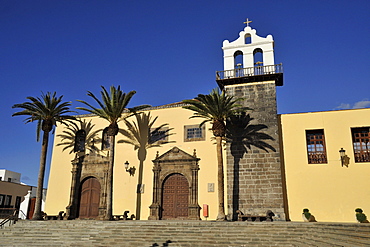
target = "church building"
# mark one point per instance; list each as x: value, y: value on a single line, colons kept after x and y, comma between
x: 283, y: 163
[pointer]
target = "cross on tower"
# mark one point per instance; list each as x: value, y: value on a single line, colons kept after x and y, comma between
x: 247, y: 22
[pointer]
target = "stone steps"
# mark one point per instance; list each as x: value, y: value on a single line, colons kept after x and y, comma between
x: 183, y: 233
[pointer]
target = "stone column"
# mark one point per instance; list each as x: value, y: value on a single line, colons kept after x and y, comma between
x: 155, y: 207
x: 71, y: 209
x: 194, y: 208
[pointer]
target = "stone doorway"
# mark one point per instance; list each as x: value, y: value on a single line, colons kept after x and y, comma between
x: 175, y: 197
x: 89, y: 198
x: 175, y: 186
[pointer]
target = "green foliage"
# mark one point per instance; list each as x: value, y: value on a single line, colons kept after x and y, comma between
x: 307, y: 213
x: 47, y: 110
x: 112, y: 104
x: 215, y: 107
x: 69, y: 136
x: 358, y: 210
x: 361, y: 217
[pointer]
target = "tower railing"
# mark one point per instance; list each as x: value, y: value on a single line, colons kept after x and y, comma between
x: 251, y: 71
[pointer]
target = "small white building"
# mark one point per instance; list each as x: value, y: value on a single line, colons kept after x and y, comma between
x: 17, y: 195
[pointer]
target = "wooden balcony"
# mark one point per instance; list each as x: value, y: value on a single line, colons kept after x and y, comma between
x: 252, y: 74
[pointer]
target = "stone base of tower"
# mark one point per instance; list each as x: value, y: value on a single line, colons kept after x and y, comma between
x: 254, y: 176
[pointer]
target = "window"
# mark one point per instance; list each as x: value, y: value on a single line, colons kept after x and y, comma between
x: 8, y: 200
x: 80, y: 139
x: 2, y: 200
x: 1, y: 178
x: 316, y: 149
x: 17, y: 202
x: 248, y: 39
x: 194, y: 133
x: 9, y: 179
x: 158, y: 135
x: 360, y: 138
x: 105, y: 144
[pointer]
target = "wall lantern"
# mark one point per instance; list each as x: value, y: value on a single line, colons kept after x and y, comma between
x: 130, y: 170
x: 342, y: 155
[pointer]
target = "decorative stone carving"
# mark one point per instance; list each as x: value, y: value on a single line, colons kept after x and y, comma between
x: 91, y: 165
x: 172, y: 162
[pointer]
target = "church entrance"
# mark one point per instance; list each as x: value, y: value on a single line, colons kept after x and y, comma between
x: 175, y: 197
x: 90, y: 198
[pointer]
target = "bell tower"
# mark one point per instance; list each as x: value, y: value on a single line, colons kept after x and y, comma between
x: 255, y: 177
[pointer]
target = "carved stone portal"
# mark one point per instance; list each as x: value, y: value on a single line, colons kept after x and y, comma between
x: 175, y: 163
x: 83, y: 168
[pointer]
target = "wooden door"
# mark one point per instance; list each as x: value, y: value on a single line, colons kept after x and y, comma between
x: 175, y: 199
x: 90, y: 198
x: 31, y: 208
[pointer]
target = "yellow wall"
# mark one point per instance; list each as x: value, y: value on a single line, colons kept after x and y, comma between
x: 124, y: 190
x: 331, y: 192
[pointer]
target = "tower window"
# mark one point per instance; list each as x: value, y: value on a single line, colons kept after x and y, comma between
x: 194, y: 133
x: 238, y: 59
x: 248, y: 38
x: 316, y: 149
x: 360, y: 139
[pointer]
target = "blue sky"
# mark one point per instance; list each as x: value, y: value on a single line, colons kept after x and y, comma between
x: 169, y: 51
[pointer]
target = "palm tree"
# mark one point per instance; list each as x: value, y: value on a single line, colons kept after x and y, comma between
x: 113, y: 108
x: 143, y: 136
x: 216, y: 108
x: 69, y: 137
x: 77, y: 137
x: 47, y: 110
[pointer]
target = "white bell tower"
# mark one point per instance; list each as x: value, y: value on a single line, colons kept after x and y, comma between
x: 249, y: 58
x: 255, y: 185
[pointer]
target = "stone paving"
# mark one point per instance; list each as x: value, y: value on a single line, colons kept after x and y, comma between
x: 183, y: 233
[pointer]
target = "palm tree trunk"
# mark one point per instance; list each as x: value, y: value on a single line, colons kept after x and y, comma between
x: 220, y: 180
x: 109, y: 213
x: 37, y: 215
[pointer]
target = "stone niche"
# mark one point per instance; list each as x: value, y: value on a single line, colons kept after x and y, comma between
x: 175, y: 161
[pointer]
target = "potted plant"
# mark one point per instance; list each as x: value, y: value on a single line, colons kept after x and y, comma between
x: 360, y: 216
x: 307, y: 216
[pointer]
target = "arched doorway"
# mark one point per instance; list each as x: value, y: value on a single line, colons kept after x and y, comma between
x: 89, y: 198
x: 175, y: 204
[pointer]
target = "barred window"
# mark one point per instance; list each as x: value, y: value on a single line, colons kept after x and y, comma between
x: 194, y: 133
x: 316, y: 149
x: 360, y: 139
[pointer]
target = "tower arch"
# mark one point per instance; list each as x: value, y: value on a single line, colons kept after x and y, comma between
x: 247, y: 43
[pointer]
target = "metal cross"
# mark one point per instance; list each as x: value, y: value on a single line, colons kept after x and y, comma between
x: 247, y: 22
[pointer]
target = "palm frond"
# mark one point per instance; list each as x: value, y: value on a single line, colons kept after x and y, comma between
x: 68, y: 136
x: 112, y: 105
x: 47, y: 108
x: 215, y: 107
